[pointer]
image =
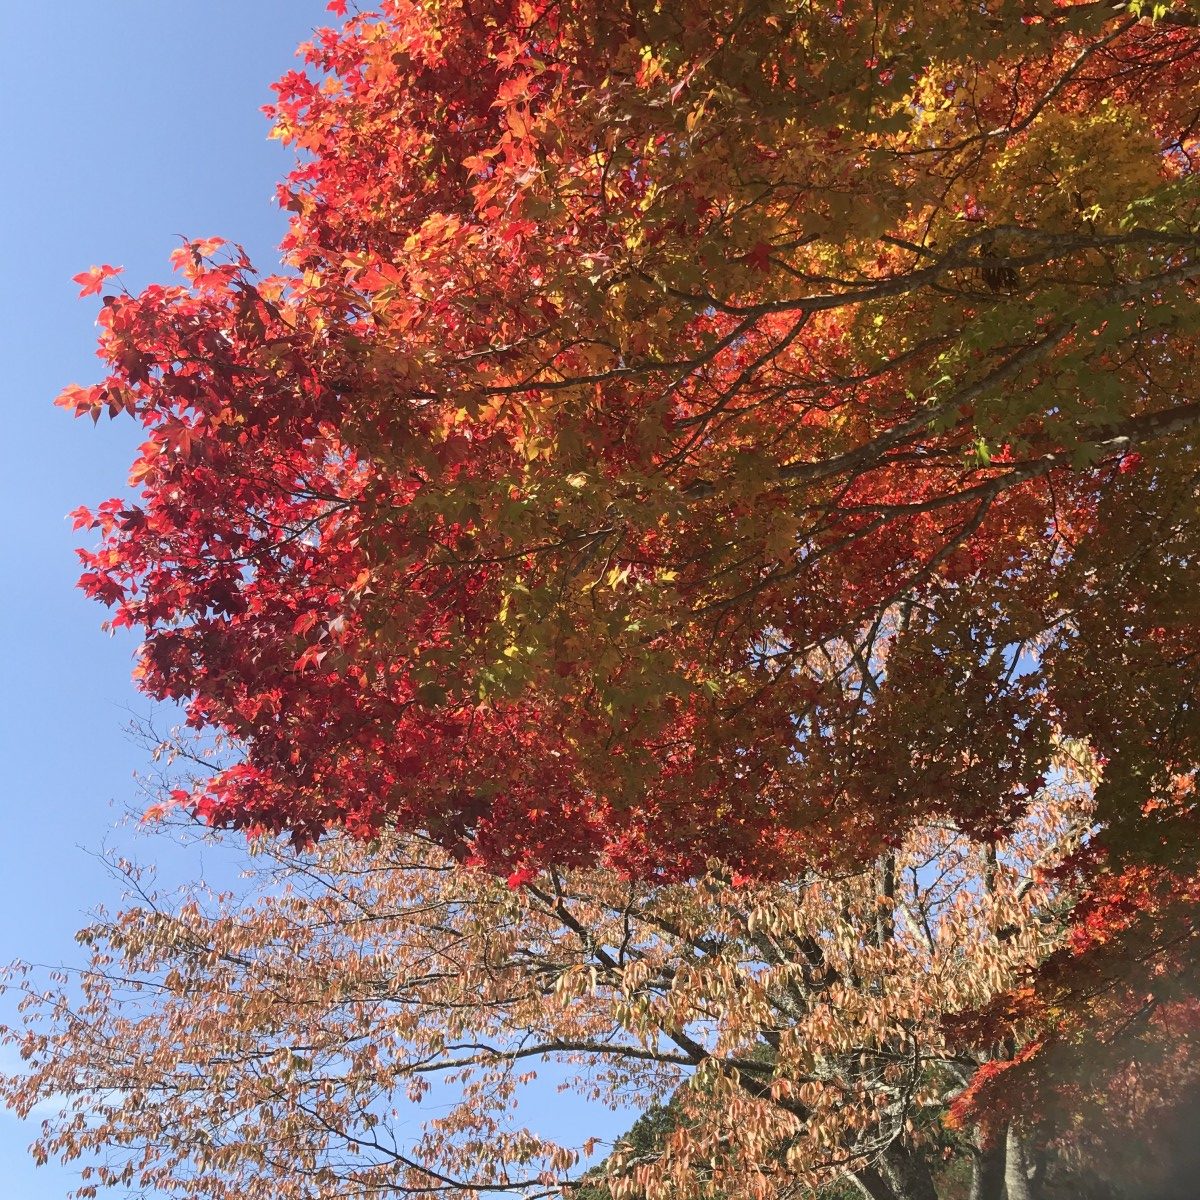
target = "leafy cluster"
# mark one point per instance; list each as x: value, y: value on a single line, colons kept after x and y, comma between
x: 368, y: 1019
x: 712, y: 432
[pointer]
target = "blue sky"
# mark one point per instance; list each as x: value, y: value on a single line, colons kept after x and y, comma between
x: 128, y: 123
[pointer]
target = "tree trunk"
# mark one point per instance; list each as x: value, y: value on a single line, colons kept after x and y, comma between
x: 885, y: 918
x: 907, y: 1174
x: 1016, y: 1166
x: 872, y: 1184
x: 987, y: 1175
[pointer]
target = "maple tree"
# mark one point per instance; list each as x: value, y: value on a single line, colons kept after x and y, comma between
x: 735, y: 430
x: 369, y: 1018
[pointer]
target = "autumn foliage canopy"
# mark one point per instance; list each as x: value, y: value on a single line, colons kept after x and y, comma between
x: 693, y: 432
x: 370, y: 1019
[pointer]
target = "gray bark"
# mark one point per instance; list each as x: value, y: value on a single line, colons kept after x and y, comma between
x: 1016, y: 1166
x: 987, y: 1176
x: 899, y: 1174
x: 907, y: 1173
x: 873, y: 1185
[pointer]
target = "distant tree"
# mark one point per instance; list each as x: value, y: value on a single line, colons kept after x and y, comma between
x: 364, y: 1020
